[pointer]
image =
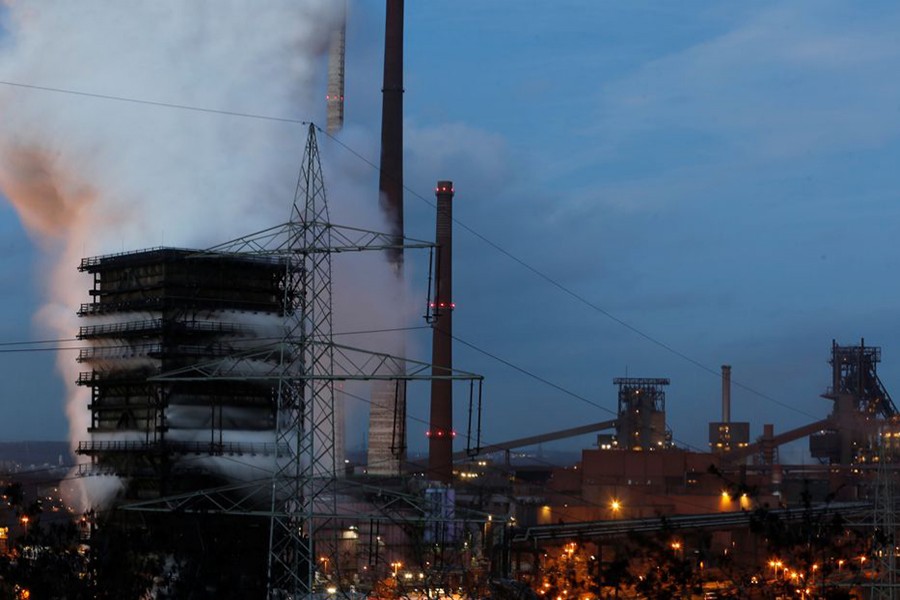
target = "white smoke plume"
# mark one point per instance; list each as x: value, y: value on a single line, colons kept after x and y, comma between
x: 91, y: 176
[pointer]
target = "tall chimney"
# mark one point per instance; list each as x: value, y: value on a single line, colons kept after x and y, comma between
x: 334, y: 103
x: 387, y: 415
x: 726, y: 393
x: 334, y: 98
x: 390, y: 182
x: 440, y: 432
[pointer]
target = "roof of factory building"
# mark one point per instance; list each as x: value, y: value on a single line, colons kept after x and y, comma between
x: 161, y: 253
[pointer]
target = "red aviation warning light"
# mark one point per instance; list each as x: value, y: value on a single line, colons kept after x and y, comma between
x: 440, y: 433
x: 442, y: 305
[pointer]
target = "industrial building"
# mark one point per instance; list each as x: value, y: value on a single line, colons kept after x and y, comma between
x: 167, y: 310
x: 717, y: 518
x: 158, y: 310
x: 642, y: 414
x: 462, y: 519
x: 861, y: 407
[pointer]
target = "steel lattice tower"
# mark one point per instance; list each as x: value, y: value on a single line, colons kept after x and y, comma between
x: 301, y: 486
x: 303, y: 366
x: 884, y: 530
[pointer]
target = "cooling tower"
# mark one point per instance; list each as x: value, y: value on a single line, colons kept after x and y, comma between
x: 157, y: 310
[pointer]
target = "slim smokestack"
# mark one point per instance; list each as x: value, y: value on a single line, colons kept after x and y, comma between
x: 726, y: 393
x: 440, y: 433
x: 387, y: 415
x: 334, y: 101
x: 335, y: 96
x: 391, y: 179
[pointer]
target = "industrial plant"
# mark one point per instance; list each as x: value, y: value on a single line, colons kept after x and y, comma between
x: 216, y: 411
x: 206, y: 359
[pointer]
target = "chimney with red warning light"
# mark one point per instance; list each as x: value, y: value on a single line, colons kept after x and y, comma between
x: 440, y: 433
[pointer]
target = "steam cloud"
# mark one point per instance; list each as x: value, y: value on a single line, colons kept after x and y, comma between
x: 90, y: 176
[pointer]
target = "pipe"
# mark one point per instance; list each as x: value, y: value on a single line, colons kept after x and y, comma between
x: 440, y: 432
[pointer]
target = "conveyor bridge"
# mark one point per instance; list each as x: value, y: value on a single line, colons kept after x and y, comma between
x: 724, y: 520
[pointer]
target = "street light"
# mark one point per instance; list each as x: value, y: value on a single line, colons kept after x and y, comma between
x: 775, y: 564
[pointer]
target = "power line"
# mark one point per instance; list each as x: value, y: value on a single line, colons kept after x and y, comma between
x: 497, y: 469
x: 534, y: 375
x: 576, y: 296
x: 88, y: 346
x: 541, y: 275
x: 521, y: 262
x: 555, y: 385
x: 35, y: 342
x: 229, y: 113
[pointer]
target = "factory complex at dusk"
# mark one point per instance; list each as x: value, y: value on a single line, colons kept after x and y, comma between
x: 211, y: 394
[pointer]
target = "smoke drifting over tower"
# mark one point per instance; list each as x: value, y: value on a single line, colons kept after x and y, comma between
x: 90, y: 176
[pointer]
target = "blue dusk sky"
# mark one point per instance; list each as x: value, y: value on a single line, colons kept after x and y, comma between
x: 676, y: 186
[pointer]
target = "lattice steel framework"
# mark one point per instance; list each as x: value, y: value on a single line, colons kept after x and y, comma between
x: 884, y: 522
x: 305, y: 408
x: 855, y: 374
x: 304, y: 364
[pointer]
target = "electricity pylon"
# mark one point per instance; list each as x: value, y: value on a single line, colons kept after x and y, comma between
x: 302, y: 367
x: 884, y: 530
